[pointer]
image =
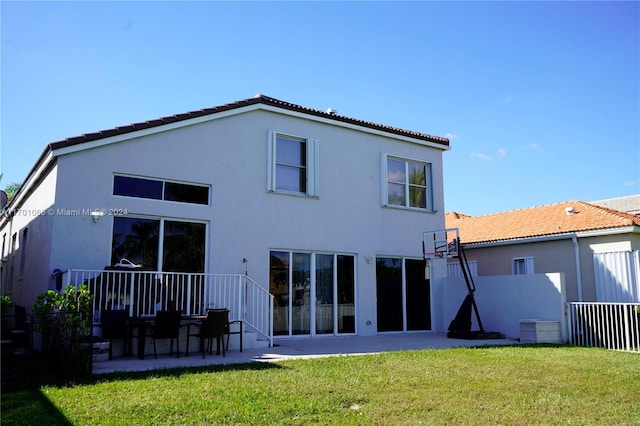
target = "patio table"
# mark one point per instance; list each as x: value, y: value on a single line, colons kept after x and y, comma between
x: 141, y: 323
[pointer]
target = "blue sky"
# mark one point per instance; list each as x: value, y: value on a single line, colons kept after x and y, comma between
x: 541, y: 100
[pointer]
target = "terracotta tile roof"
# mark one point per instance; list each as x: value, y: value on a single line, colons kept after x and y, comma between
x: 547, y: 220
x: 258, y: 99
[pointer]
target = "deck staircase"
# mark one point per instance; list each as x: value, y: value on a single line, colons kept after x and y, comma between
x: 143, y: 293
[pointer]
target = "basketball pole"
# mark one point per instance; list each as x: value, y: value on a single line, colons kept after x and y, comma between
x: 460, y: 326
x: 468, y: 278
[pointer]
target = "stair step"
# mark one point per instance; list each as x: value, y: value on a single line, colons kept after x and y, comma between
x: 249, y: 341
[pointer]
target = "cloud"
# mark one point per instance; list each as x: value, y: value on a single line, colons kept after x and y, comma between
x: 630, y: 183
x: 480, y: 156
x: 533, y: 146
x: 502, y: 152
x: 450, y: 135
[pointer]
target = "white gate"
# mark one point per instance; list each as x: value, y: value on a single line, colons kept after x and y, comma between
x: 617, y: 276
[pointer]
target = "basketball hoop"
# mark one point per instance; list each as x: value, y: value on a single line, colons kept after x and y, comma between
x: 440, y: 244
x: 434, y: 255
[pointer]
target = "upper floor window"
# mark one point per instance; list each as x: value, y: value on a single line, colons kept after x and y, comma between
x: 23, y: 250
x: 293, y: 165
x: 156, y: 189
x: 407, y: 183
x: 522, y: 266
x: 14, y: 239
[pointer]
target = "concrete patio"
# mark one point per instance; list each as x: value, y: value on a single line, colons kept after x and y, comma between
x: 295, y: 348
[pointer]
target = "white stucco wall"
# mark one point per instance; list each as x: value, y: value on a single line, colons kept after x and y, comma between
x: 504, y: 301
x: 36, y: 214
x: 244, y: 220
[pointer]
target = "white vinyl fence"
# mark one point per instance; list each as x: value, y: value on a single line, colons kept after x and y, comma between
x: 455, y: 271
x: 617, y: 276
x: 613, y: 326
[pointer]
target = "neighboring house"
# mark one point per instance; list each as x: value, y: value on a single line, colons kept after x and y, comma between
x: 628, y: 204
x: 596, y: 248
x: 320, y: 209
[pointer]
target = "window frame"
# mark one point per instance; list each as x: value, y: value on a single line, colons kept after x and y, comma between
x: 12, y: 259
x: 160, y: 252
x: 23, y: 250
x: 402, y: 301
x: 338, y: 289
x: 163, y: 193
x: 428, y: 187
x: 522, y: 265
x: 312, y: 151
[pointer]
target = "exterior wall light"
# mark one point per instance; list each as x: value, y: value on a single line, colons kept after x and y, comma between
x: 96, y: 215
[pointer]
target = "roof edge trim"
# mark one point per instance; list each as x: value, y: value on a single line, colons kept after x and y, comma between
x: 542, y: 238
x: 239, y: 106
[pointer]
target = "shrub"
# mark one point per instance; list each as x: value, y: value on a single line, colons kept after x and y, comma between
x: 64, y: 321
x: 5, y: 304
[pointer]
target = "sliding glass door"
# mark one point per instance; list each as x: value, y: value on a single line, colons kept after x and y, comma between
x: 403, y: 295
x: 314, y: 293
x: 301, y: 293
x: 324, y: 293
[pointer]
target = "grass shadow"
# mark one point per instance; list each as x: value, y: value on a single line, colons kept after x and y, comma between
x: 30, y: 374
x: 180, y: 371
x: 23, y: 400
x: 30, y: 407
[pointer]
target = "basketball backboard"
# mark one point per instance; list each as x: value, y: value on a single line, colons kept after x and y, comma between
x: 440, y: 243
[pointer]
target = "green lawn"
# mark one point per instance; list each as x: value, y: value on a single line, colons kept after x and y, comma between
x: 498, y: 385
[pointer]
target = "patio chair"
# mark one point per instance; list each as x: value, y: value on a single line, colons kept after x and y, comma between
x: 228, y: 331
x: 115, y: 325
x: 167, y: 326
x: 213, y: 327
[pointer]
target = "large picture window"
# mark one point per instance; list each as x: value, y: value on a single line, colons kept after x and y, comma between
x: 407, y: 183
x: 293, y: 165
x: 139, y: 241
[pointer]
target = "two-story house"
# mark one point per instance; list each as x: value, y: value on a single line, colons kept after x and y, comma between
x: 324, y: 211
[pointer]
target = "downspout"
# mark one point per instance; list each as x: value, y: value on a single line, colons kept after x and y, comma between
x: 576, y: 249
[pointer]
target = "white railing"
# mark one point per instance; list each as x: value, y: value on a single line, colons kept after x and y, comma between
x: 143, y: 293
x: 258, y: 309
x: 606, y: 325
